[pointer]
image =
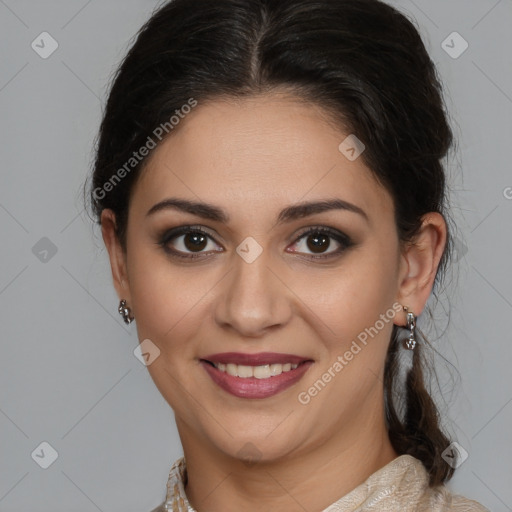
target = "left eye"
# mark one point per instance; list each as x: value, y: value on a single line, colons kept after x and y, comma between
x: 318, y: 241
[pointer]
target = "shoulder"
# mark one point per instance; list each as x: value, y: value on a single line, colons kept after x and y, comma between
x: 410, y: 489
x: 462, y: 503
x: 441, y: 499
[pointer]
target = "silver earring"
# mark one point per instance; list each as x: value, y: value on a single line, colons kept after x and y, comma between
x: 410, y: 342
x: 125, y: 312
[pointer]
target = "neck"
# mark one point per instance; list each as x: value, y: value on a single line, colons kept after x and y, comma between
x: 308, y: 479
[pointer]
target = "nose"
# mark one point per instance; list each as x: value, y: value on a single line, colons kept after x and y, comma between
x: 252, y: 298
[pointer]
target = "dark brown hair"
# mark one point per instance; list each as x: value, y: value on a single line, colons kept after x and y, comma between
x: 362, y: 61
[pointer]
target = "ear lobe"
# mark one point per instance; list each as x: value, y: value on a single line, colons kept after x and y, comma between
x: 116, y: 254
x: 420, y: 261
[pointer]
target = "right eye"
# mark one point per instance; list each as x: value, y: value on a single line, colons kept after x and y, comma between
x: 187, y: 242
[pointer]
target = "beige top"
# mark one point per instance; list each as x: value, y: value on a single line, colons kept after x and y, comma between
x: 401, y: 485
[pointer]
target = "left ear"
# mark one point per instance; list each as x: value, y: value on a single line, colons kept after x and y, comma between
x: 419, y: 262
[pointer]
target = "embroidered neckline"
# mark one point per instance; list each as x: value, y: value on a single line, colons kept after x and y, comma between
x: 382, y: 482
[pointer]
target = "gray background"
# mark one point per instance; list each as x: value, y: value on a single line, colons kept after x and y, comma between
x: 68, y: 375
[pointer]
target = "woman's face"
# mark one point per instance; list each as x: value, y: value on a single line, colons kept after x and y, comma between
x: 254, y: 280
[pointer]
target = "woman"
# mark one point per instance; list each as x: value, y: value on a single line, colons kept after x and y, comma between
x: 269, y: 184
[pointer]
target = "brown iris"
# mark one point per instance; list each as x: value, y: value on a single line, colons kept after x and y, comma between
x: 195, y: 241
x: 318, y: 242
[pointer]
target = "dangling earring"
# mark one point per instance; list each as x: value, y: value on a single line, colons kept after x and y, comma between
x: 410, y: 342
x: 125, y: 312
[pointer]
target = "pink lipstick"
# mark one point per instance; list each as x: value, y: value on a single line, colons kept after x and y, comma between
x: 255, y: 375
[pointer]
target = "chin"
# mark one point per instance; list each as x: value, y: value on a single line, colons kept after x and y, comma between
x: 259, y: 447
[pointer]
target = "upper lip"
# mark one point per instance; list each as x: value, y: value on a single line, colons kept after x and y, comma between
x: 259, y: 359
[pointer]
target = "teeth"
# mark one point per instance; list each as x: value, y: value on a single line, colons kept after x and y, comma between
x: 260, y: 372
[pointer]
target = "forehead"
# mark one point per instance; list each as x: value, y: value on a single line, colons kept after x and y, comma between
x: 257, y: 155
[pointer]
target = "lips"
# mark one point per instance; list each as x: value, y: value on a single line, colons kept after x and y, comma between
x: 255, y: 375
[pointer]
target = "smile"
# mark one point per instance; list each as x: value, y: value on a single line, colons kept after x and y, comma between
x: 268, y: 375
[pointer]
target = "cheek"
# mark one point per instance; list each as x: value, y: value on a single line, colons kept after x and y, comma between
x: 169, y: 308
x: 166, y: 299
x: 352, y: 296
x: 351, y: 305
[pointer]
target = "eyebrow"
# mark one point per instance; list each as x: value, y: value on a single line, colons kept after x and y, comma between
x: 290, y: 213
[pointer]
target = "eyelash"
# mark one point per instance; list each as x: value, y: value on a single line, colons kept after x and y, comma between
x: 168, y: 236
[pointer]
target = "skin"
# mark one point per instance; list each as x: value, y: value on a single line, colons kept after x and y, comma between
x: 252, y: 158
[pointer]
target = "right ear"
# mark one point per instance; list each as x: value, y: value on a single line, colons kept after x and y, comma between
x: 116, y: 254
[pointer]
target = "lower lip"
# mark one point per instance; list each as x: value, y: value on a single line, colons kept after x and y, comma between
x: 252, y: 387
